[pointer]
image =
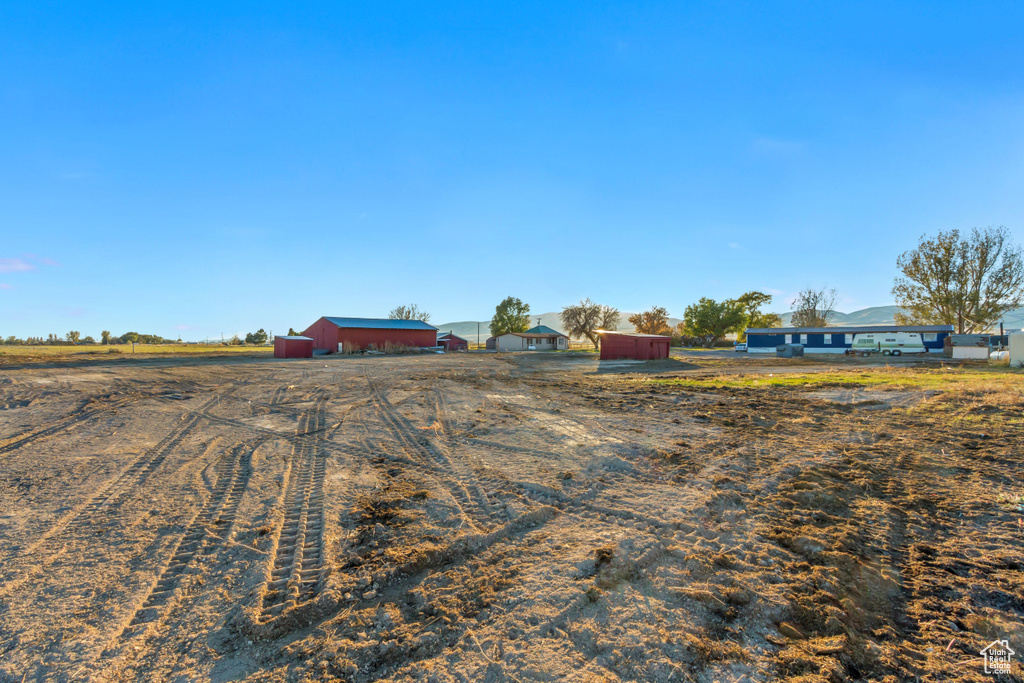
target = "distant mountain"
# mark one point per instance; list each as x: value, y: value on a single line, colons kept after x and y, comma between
x: 886, y: 315
x: 877, y: 315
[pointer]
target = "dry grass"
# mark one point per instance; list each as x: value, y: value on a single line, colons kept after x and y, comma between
x: 980, y: 378
x: 27, y: 353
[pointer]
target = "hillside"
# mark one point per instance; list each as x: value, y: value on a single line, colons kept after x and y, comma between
x: 877, y: 315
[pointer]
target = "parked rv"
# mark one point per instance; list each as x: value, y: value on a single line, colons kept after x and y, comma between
x: 887, y: 343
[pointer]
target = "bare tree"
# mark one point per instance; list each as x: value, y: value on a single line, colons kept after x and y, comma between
x: 813, y: 307
x: 586, y: 318
x: 969, y: 282
x: 73, y: 336
x: 410, y: 312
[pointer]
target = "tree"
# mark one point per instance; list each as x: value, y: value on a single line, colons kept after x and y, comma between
x: 969, y: 282
x: 813, y: 307
x: 88, y: 340
x: 292, y: 332
x: 511, y: 315
x: 586, y: 318
x: 751, y: 303
x: 73, y: 336
x: 12, y: 340
x: 410, y: 312
x: 105, y: 337
x: 258, y: 337
x: 654, y: 321
x: 709, y: 320
x: 130, y: 338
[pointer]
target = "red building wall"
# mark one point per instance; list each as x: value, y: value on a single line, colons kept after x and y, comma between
x: 293, y: 348
x: 326, y: 335
x: 648, y: 347
x: 453, y: 343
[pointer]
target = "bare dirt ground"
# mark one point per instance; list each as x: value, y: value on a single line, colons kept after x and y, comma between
x: 470, y: 517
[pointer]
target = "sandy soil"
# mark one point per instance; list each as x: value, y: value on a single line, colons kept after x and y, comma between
x: 517, y: 518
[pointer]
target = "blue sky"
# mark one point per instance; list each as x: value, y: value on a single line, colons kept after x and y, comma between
x: 197, y: 169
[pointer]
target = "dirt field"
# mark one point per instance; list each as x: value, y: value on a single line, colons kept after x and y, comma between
x: 542, y: 517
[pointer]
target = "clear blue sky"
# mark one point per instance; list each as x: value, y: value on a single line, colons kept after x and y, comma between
x: 193, y: 169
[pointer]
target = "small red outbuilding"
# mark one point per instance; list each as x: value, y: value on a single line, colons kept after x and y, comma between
x: 293, y: 347
x: 452, y: 342
x: 616, y: 345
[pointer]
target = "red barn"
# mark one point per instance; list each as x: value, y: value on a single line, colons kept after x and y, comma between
x: 293, y: 347
x: 330, y: 333
x: 615, y: 345
x: 452, y: 342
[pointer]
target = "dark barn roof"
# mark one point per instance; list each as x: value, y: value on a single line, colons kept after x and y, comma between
x: 379, y: 323
x: 853, y: 329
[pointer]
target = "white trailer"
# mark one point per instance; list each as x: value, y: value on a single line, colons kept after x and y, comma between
x: 887, y: 343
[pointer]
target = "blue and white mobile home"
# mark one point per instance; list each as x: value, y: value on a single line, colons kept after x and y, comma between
x: 838, y: 339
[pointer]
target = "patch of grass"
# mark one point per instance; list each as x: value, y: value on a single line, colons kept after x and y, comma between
x: 945, y: 379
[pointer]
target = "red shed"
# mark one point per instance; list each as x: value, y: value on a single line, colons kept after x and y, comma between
x: 452, y: 342
x: 633, y: 345
x: 330, y: 333
x: 293, y: 347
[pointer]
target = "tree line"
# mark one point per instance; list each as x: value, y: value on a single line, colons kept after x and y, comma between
x: 968, y: 281
x: 74, y: 337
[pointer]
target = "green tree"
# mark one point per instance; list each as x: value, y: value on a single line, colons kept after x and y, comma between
x: 258, y: 337
x: 653, y: 321
x: 11, y: 341
x: 410, y: 312
x: 88, y: 340
x: 130, y: 338
x: 710, y: 320
x: 751, y: 303
x: 105, y: 337
x: 968, y: 282
x: 511, y: 315
x: 586, y: 318
x: 813, y: 307
x: 292, y: 332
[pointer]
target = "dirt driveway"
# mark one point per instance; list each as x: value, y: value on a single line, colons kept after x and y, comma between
x: 474, y: 517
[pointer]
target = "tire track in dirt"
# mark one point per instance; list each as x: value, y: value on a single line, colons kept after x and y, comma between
x: 111, y: 495
x: 298, y: 564
x: 475, y: 509
x: 208, y: 529
x: 129, y: 481
x: 62, y: 425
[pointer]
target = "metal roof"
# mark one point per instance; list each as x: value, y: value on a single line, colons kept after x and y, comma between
x: 852, y: 329
x: 538, y: 335
x: 296, y: 336
x: 379, y: 323
x: 635, y: 334
x: 543, y: 329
